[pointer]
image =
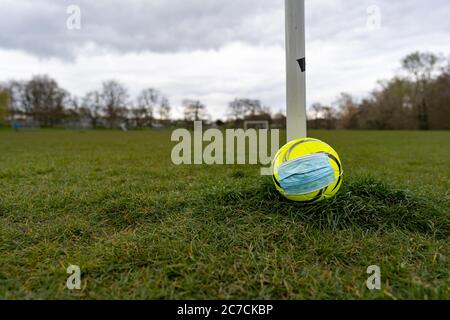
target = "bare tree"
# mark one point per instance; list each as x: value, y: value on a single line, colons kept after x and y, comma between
x: 439, y: 100
x: 329, y: 114
x: 194, y: 110
x: 317, y: 109
x: 390, y: 107
x: 114, y: 98
x: 279, y: 120
x: 16, y: 93
x: 140, y: 117
x: 236, y: 110
x: 4, y: 106
x: 421, y: 68
x: 92, y: 107
x: 45, y: 101
x: 240, y: 108
x: 349, y: 110
x: 164, y: 109
x: 147, y: 102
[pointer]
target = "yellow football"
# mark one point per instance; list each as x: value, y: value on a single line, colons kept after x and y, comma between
x: 307, y: 170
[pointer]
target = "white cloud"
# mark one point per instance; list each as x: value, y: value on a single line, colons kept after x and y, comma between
x: 213, y: 76
x: 39, y: 26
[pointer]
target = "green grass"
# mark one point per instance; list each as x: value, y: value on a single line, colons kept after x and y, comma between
x: 142, y: 228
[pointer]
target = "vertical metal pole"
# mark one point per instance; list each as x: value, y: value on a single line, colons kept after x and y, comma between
x: 295, y: 68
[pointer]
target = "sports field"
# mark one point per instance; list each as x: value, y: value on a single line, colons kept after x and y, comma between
x: 142, y: 228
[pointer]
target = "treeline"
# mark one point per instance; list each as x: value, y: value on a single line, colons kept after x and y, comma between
x: 42, y: 102
x: 417, y: 99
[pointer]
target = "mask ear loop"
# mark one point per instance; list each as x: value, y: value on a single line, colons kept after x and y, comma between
x: 341, y: 170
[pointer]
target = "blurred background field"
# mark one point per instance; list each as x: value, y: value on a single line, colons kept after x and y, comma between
x: 139, y: 227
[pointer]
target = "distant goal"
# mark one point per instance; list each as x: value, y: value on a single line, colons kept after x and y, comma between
x: 259, y: 124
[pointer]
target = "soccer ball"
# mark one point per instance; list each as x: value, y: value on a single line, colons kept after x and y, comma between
x: 307, y: 170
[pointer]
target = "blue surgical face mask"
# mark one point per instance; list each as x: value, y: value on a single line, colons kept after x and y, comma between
x: 306, y: 174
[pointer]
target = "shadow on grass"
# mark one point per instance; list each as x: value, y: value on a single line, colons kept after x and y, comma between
x: 364, y: 203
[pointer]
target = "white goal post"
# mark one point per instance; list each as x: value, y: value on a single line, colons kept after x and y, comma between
x: 295, y: 69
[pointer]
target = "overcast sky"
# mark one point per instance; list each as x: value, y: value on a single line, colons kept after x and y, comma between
x: 215, y: 50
